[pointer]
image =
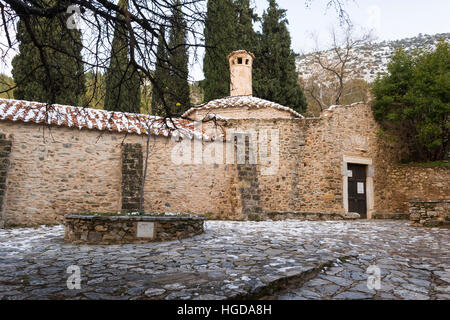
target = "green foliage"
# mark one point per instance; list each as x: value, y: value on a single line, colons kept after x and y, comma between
x: 178, y: 99
x: 171, y: 73
x: 220, y: 33
x: 51, y: 72
x: 95, y: 85
x: 161, y: 74
x: 6, y: 87
x: 414, y: 99
x: 430, y: 164
x: 275, y: 75
x: 196, y: 92
x: 245, y: 36
x: 122, y: 79
x: 146, y: 97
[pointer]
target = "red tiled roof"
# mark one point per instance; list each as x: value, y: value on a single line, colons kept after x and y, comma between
x: 78, y: 117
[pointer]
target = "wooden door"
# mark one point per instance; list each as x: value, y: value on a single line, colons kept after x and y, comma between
x: 357, y: 189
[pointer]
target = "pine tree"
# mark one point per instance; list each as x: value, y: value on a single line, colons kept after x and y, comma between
x: 161, y: 74
x: 178, y: 95
x: 61, y: 79
x: 122, y: 79
x: 220, y: 35
x: 275, y: 75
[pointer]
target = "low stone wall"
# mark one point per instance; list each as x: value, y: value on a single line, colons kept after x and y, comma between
x: 84, y: 229
x: 312, y: 216
x: 390, y: 215
x: 397, y: 184
x: 429, y: 213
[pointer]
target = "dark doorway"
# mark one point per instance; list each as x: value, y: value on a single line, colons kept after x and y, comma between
x: 357, y: 189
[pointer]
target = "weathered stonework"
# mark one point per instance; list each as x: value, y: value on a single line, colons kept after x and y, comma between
x: 429, y: 213
x: 391, y: 215
x: 312, y: 216
x: 79, y: 171
x: 249, y: 191
x: 132, y: 171
x: 82, y: 229
x: 5, y: 150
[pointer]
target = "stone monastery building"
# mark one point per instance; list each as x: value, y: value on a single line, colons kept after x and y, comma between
x: 247, y: 158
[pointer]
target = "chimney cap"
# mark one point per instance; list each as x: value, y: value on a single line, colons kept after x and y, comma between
x: 241, y: 52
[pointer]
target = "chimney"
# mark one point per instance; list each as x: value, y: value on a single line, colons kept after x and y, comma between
x: 241, y: 73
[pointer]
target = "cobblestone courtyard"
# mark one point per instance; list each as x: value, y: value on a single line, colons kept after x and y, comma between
x: 281, y: 260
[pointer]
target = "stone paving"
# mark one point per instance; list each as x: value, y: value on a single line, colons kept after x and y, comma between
x: 279, y: 260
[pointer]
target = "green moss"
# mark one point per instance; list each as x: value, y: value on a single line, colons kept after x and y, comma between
x: 254, y: 217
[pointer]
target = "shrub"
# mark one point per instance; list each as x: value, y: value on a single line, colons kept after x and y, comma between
x: 414, y: 100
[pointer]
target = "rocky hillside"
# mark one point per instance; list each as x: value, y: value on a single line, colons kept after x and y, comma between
x: 374, y: 58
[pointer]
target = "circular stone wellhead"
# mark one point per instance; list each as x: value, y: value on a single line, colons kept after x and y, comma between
x: 117, y: 229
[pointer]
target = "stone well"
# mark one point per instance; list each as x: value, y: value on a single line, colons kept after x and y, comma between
x: 95, y: 229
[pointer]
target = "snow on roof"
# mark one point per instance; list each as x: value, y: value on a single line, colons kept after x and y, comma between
x: 78, y: 117
x: 241, y: 101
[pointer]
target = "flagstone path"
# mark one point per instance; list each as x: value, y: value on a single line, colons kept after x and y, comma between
x: 279, y: 260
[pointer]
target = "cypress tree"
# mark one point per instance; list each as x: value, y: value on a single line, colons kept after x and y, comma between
x: 275, y: 75
x: 245, y: 34
x: 228, y: 27
x: 220, y: 35
x: 161, y: 74
x: 62, y: 80
x: 178, y: 95
x: 122, y: 79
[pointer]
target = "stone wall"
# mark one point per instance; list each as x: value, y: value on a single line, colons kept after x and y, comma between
x: 82, y: 229
x: 429, y: 213
x: 202, y: 188
x: 5, y: 150
x: 347, y: 131
x: 406, y: 182
x: 311, y: 216
x: 278, y: 181
x: 313, y: 154
x: 132, y: 171
x: 61, y: 170
x: 249, y: 191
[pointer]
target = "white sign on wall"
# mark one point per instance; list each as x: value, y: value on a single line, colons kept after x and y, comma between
x: 145, y: 229
x: 360, y: 187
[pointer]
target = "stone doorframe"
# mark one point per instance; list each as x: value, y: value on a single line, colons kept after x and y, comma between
x: 369, y: 181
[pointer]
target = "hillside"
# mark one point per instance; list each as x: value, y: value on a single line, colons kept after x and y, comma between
x: 374, y: 58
